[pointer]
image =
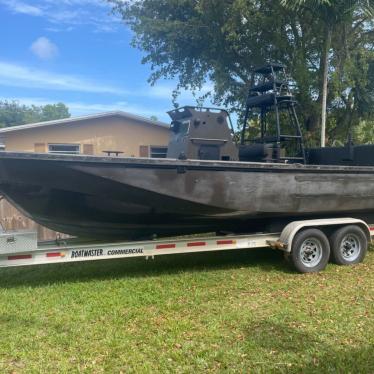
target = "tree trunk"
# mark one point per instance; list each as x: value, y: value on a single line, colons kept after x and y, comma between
x: 325, y: 62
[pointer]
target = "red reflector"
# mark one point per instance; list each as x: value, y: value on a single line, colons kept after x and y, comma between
x: 53, y: 254
x: 195, y: 244
x: 165, y: 246
x: 371, y: 228
x: 223, y: 242
x: 19, y: 257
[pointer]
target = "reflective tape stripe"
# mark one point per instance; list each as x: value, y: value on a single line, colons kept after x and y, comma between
x: 53, y: 254
x: 165, y: 246
x: 225, y: 242
x: 196, y: 244
x: 19, y: 257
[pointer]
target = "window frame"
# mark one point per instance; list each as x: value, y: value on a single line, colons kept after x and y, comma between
x: 152, y: 153
x: 65, y: 152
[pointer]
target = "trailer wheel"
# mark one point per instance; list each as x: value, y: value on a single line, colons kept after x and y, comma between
x: 310, y: 251
x: 348, y: 245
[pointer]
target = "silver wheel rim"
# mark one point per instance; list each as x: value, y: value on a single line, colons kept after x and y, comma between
x: 350, y: 247
x: 311, y: 252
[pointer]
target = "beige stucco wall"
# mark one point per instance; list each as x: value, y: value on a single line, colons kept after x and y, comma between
x: 108, y: 133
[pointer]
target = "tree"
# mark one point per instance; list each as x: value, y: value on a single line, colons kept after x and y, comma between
x: 13, y: 113
x: 334, y: 14
x: 199, y: 41
x: 54, y: 111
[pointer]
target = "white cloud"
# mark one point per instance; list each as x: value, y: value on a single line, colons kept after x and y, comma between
x: 99, y: 3
x: 14, y: 75
x: 21, y: 7
x: 44, y: 48
x: 82, y: 108
x: 93, y: 13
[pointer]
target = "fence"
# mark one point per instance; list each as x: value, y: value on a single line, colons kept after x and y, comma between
x: 12, y: 219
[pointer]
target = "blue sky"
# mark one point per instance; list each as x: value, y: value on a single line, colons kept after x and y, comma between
x: 76, y: 52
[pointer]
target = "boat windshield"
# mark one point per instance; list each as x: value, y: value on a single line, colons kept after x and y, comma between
x: 184, y: 127
x: 181, y: 127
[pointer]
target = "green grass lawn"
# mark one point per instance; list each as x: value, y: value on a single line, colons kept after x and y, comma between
x: 236, y: 312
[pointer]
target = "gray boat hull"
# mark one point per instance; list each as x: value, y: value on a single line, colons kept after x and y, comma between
x: 132, y: 198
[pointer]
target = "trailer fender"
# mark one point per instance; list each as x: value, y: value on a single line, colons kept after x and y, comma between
x: 289, y: 232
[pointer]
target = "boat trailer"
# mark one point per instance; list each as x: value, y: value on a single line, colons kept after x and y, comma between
x: 308, y: 244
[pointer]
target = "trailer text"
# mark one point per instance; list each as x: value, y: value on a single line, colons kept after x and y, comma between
x: 87, y: 253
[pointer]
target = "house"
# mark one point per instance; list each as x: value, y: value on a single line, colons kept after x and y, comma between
x: 96, y: 134
x: 117, y: 133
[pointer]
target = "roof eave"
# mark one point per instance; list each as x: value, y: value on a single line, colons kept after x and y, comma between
x: 85, y: 118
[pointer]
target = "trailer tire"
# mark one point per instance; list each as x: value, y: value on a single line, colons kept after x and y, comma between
x: 349, y: 245
x: 310, y: 251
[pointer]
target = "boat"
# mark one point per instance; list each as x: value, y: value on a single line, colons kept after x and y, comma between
x: 207, y: 183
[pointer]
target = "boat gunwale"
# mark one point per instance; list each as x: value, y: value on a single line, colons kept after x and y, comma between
x: 190, y: 164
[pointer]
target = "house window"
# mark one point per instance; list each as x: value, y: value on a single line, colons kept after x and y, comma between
x: 70, y: 149
x: 159, y: 152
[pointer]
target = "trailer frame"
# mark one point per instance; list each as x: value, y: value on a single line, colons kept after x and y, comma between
x: 20, y: 248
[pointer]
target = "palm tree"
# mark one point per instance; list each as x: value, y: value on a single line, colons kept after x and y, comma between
x: 332, y: 13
